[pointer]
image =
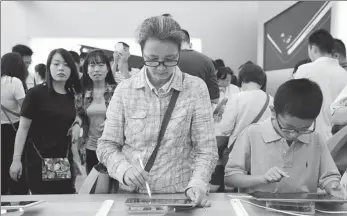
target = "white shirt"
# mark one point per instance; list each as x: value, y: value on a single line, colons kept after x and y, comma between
x: 241, y: 110
x: 340, y: 101
x: 12, y: 91
x: 30, y: 81
x: 331, y: 78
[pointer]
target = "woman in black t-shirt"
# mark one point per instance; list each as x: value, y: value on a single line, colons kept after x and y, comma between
x: 48, y: 113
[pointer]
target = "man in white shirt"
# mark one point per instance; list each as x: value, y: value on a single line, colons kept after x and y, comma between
x: 327, y: 73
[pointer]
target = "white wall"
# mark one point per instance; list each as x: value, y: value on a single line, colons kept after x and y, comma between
x: 13, y: 26
x: 227, y: 29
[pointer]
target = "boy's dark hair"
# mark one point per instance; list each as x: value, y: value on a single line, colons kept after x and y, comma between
x: 302, y: 62
x: 41, y: 69
x: 223, y: 72
x: 75, y: 56
x: 22, y: 50
x: 300, y: 98
x: 339, y: 47
x: 252, y: 73
x: 323, y: 40
x: 186, y: 36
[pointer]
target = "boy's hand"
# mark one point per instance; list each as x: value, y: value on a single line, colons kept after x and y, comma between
x: 275, y: 174
x: 338, y: 190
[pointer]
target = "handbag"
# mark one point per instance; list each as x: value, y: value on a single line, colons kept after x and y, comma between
x: 55, y: 169
x: 99, y: 182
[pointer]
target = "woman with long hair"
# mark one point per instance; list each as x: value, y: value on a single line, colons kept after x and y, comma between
x: 48, y: 115
x: 91, y: 105
x: 13, y: 87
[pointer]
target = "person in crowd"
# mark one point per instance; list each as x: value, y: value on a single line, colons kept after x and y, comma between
x: 120, y: 67
x: 40, y: 75
x: 240, y: 111
x: 326, y: 72
x: 284, y: 154
x: 47, y: 121
x: 13, y: 76
x: 77, y: 60
x: 188, y: 152
x: 198, y: 64
x: 243, y: 107
x: 227, y: 90
x: 339, y: 52
x: 91, y: 104
x: 302, y: 62
x: 26, y: 54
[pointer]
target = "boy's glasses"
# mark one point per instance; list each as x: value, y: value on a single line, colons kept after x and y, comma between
x: 304, y: 131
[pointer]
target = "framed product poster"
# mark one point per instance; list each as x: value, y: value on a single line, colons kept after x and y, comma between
x: 286, y: 35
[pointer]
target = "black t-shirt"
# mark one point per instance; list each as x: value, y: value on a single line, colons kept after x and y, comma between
x: 197, y: 64
x: 52, y: 115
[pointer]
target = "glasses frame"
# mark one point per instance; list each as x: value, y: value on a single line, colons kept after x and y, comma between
x: 286, y: 130
x: 161, y: 62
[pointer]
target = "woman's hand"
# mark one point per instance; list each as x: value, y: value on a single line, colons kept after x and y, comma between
x: 16, y: 169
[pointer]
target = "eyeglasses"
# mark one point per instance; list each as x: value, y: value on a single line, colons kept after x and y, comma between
x: 305, y: 131
x: 167, y: 63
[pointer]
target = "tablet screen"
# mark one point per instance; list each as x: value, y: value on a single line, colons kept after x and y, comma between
x: 169, y: 202
x: 263, y: 196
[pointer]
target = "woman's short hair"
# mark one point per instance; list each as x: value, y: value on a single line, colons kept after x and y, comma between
x: 251, y: 72
x: 160, y: 27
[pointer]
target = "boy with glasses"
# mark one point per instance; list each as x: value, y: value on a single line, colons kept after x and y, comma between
x: 284, y: 154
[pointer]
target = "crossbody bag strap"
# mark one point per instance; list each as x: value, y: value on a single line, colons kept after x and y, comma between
x: 9, y: 111
x: 257, y: 118
x: 5, y: 110
x: 164, y: 125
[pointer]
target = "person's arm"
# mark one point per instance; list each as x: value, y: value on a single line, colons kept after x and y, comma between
x: 203, y: 140
x: 124, y: 69
x: 338, y: 109
x: 228, y: 122
x: 18, y: 91
x: 109, y: 150
x: 28, y: 110
x: 328, y: 171
x: 21, y: 136
x: 238, y: 166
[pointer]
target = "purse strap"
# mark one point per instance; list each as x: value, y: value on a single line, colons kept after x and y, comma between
x: 164, y: 124
x: 5, y: 110
x: 256, y: 119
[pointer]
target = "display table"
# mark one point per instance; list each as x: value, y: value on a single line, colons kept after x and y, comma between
x: 88, y: 205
